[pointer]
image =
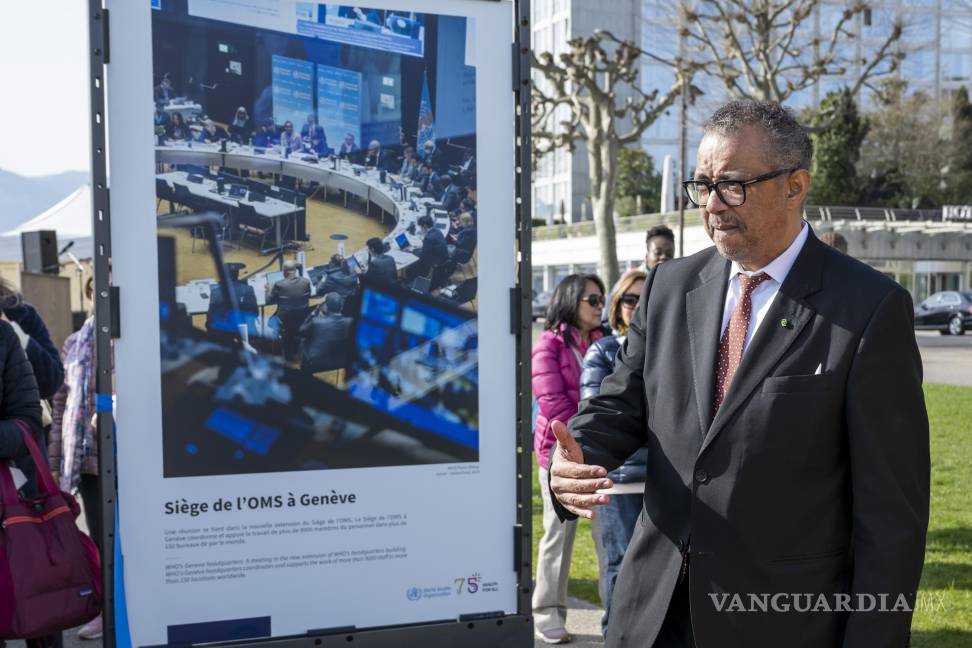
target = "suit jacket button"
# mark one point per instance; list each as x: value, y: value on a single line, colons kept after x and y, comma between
x: 701, y: 476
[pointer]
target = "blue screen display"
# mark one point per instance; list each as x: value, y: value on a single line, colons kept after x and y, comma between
x: 293, y: 90
x: 402, y: 32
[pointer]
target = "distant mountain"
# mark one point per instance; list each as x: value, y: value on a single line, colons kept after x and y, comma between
x: 22, y: 198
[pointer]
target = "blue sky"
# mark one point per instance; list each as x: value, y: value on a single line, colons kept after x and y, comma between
x: 43, y: 76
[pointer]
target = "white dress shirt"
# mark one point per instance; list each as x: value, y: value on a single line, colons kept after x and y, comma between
x: 764, y: 293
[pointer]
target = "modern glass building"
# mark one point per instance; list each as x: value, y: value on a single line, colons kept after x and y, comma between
x: 937, y: 43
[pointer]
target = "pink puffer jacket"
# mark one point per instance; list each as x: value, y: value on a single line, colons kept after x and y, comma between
x: 556, y: 369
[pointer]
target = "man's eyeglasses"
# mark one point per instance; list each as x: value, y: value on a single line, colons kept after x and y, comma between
x: 730, y: 192
x: 595, y: 301
x: 629, y: 301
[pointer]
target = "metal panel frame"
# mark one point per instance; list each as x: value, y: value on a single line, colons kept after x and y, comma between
x: 474, y: 631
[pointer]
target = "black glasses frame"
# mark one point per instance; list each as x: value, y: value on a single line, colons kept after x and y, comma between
x: 716, y: 186
x: 631, y: 300
x: 594, y: 301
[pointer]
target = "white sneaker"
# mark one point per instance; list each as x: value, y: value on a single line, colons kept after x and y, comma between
x: 91, y: 629
x: 553, y: 636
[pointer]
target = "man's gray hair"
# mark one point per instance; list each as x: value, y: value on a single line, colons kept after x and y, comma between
x: 289, y: 265
x: 789, y: 144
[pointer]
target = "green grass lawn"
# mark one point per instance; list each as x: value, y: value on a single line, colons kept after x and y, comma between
x: 943, y: 618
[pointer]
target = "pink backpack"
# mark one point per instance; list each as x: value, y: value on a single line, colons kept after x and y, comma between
x: 50, y: 572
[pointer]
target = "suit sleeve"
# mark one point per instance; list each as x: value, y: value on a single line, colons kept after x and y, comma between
x: 887, y: 428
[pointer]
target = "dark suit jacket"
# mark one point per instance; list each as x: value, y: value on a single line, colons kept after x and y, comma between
x: 377, y: 160
x: 434, y: 250
x: 803, y: 483
x: 382, y: 268
x: 326, y: 343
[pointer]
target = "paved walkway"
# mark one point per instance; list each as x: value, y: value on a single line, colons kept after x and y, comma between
x: 947, y: 359
x: 583, y: 624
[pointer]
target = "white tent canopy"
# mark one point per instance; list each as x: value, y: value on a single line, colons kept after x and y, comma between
x: 70, y: 218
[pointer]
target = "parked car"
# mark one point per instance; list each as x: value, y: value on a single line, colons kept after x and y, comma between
x: 540, y: 302
x: 949, y: 312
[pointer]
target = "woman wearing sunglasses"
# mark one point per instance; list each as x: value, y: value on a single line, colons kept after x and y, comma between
x: 615, y: 521
x: 573, y: 324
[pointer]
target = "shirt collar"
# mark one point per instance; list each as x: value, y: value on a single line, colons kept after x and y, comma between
x: 779, y: 267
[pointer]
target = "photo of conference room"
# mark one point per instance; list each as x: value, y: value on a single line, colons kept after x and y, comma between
x: 339, y: 163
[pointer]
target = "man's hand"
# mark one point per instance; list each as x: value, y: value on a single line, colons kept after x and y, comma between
x: 572, y: 481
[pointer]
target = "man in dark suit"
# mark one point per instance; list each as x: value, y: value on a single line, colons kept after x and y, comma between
x: 327, y: 336
x: 777, y: 385
x: 291, y: 295
x: 433, y: 252
x: 348, y: 147
x: 381, y: 266
x: 375, y: 157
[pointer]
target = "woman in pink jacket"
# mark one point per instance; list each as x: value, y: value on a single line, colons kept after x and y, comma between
x: 573, y: 324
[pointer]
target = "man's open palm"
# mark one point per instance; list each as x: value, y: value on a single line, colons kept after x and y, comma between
x: 572, y: 481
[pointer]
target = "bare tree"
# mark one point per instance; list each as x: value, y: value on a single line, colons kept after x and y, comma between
x: 591, y: 94
x: 768, y: 50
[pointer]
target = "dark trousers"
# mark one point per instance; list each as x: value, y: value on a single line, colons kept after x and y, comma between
x: 290, y: 321
x: 676, y: 630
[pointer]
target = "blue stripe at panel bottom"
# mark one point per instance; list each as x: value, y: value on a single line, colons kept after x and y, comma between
x: 212, y: 631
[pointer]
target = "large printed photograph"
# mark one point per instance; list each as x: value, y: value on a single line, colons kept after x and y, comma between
x: 316, y: 206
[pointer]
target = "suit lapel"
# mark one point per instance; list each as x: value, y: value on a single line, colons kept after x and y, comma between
x: 773, y: 338
x: 703, y: 314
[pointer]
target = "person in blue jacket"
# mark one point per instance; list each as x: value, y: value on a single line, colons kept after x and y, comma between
x: 615, y: 522
x: 42, y: 353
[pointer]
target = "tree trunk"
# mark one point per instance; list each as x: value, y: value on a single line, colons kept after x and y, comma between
x: 603, y: 159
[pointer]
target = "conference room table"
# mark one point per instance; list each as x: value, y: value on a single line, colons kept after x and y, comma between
x: 404, y: 204
x: 273, y: 209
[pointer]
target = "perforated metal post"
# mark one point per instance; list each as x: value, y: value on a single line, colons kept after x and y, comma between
x: 105, y: 305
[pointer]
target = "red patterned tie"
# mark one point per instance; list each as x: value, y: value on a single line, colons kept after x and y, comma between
x: 734, y: 337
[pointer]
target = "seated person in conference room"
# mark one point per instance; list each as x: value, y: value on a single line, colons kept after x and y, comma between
x: 313, y: 135
x: 239, y: 128
x: 468, y: 166
x: 348, y: 146
x: 290, y: 139
x: 326, y: 336
x: 463, y: 238
x: 291, y: 295
x: 432, y: 253
x: 337, y: 278
x: 408, y: 163
x: 211, y: 133
x: 453, y: 195
x: 266, y: 135
x: 375, y: 157
x: 178, y: 129
x: 165, y: 91
x: 428, y: 181
x: 381, y: 266
x: 467, y: 206
x: 161, y: 117
x: 431, y: 155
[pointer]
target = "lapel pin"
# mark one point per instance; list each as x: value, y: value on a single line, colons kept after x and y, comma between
x: 785, y: 323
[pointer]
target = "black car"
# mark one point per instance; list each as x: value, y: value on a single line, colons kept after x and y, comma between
x: 949, y: 312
